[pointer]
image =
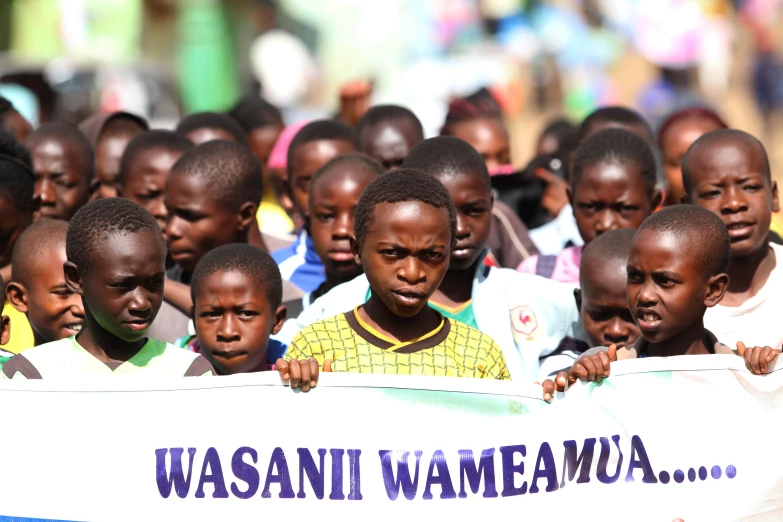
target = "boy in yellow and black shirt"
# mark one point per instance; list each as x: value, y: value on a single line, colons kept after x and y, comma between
x: 404, y: 232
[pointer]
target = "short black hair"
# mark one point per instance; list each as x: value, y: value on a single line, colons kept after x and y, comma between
x: 244, y: 258
x: 68, y: 133
x: 613, y: 246
x: 321, y: 130
x: 96, y: 220
x: 447, y: 156
x: 150, y: 140
x: 560, y: 128
x: 698, y: 228
x: 385, y: 113
x: 37, y: 241
x: 399, y: 186
x: 478, y: 105
x: 123, y: 124
x: 616, y: 146
x: 230, y: 169
x: 256, y: 113
x: 722, y: 137
x: 17, y: 181
x: 5, y: 105
x: 364, y: 161
x: 620, y: 116
x: 211, y: 120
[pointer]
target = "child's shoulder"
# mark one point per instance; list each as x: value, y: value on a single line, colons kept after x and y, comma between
x: 162, y: 353
x: 330, y: 325
x: 466, y: 335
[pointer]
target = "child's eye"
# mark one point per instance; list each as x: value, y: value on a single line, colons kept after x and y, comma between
x: 434, y: 255
x: 247, y: 314
x: 211, y: 314
x: 752, y: 188
x: 324, y: 216
x: 712, y: 194
x: 62, y: 293
x: 388, y: 252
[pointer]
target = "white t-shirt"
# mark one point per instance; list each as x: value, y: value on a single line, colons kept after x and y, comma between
x: 757, y: 321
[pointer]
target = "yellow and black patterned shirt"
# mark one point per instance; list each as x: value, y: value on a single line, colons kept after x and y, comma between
x: 453, y: 349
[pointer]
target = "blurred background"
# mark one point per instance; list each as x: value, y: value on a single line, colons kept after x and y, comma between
x: 65, y: 59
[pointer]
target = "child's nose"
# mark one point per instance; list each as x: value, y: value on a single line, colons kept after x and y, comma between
x: 227, y: 330
x: 616, y: 331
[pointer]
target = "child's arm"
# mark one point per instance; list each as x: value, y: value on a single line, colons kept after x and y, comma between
x: 591, y: 366
x: 178, y: 295
x: 757, y: 359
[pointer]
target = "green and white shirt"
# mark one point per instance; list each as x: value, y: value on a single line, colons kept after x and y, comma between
x: 66, y: 359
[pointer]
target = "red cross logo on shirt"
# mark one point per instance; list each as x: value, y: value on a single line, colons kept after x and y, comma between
x: 523, y: 320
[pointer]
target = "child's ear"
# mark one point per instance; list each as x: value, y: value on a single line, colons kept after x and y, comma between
x: 355, y: 250
x: 578, y: 298
x: 491, y: 199
x: 72, y: 278
x: 280, y: 315
x: 17, y: 296
x: 656, y: 199
x: 5, y: 329
x: 716, y: 288
x: 775, y: 201
x: 247, y: 213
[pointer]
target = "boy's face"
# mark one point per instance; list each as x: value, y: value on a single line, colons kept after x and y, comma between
x: 145, y: 181
x: 667, y: 289
x: 603, y: 304
x: 473, y: 200
x: 233, y: 320
x: 107, y: 164
x: 332, y: 203
x: 197, y: 222
x: 390, y: 142
x: 306, y: 160
x: 262, y: 140
x: 405, y: 254
x: 609, y: 196
x: 674, y: 144
x: 61, y: 186
x: 123, y: 289
x: 205, y: 134
x: 488, y: 137
x: 12, y: 223
x: 53, y: 310
x: 728, y: 179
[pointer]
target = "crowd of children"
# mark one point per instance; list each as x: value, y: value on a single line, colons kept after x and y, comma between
x: 235, y: 244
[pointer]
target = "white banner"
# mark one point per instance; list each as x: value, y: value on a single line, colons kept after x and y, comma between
x: 693, y: 438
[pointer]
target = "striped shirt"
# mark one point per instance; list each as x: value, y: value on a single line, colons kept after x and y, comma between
x: 299, y: 263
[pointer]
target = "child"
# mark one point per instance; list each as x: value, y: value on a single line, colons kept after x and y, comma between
x: 13, y: 122
x: 145, y: 166
x: 211, y: 197
x: 262, y: 123
x: 477, y: 121
x: 676, y: 272
x: 677, y: 133
x: 312, y: 147
x: 601, y: 300
x: 236, y: 293
x: 612, y: 186
x: 728, y: 173
x: 109, y: 135
x: 388, y: 133
x: 277, y: 170
x: 63, y: 166
x: 405, y: 229
x: 38, y: 288
x: 334, y: 193
x: 116, y: 262
x: 17, y: 184
x: 5, y: 329
x: 526, y: 315
x: 208, y: 126
x: 617, y: 117
x: 554, y: 135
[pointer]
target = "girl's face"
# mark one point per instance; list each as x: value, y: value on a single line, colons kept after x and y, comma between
x: 674, y: 144
x: 608, y: 196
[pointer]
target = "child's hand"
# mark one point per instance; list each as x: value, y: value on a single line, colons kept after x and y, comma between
x: 301, y: 374
x: 757, y: 359
x: 587, y: 368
